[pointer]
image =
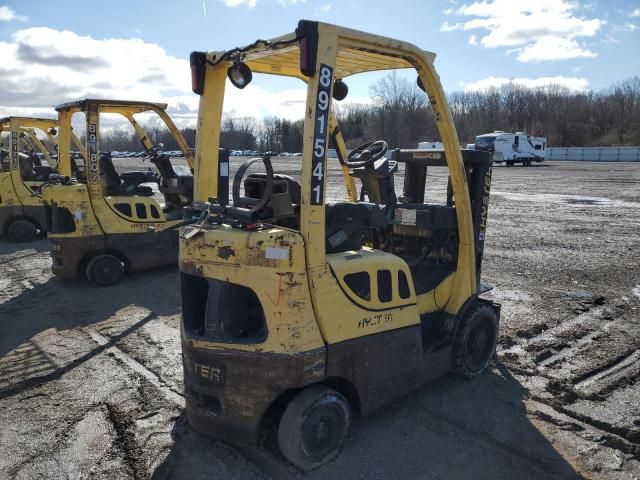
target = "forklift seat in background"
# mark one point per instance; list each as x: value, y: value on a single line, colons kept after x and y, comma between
x: 26, y: 167
x: 42, y: 172
x: 108, y: 172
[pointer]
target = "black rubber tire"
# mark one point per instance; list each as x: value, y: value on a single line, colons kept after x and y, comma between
x: 475, y: 343
x: 22, y: 230
x: 316, y: 410
x: 104, y: 270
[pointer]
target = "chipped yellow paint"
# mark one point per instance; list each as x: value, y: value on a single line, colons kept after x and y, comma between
x: 76, y: 199
x: 242, y: 257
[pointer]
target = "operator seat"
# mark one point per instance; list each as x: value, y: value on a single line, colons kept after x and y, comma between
x: 25, y: 162
x: 110, y: 178
x: 175, y: 188
x: 284, y: 203
x: 126, y: 184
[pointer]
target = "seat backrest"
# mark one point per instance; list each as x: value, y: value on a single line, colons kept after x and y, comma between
x: 285, y: 193
x: 109, y: 175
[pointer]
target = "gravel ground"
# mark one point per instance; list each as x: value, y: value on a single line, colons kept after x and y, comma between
x: 91, y: 379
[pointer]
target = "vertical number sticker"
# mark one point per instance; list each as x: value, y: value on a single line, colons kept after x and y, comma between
x: 320, y: 134
x: 92, y: 116
x: 14, y: 150
x: 92, y: 150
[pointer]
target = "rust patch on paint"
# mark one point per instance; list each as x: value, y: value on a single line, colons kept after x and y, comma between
x: 226, y: 252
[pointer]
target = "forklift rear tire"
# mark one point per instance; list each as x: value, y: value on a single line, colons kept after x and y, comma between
x: 22, y: 231
x: 475, y: 342
x: 314, y: 427
x: 104, y: 270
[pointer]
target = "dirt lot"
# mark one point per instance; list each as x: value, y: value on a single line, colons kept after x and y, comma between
x: 91, y: 379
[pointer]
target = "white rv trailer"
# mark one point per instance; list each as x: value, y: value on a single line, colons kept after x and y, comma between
x: 512, y: 148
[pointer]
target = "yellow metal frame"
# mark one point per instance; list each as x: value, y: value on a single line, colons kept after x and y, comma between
x: 347, y: 52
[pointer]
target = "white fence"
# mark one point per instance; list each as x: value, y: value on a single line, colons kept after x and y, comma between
x: 595, y: 154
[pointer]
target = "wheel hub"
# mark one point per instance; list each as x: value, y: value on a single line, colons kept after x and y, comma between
x: 322, y: 431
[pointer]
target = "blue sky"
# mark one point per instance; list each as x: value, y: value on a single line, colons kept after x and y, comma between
x: 139, y: 49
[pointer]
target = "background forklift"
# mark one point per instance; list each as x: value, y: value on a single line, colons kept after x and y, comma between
x: 24, y: 167
x: 107, y: 222
x: 308, y: 312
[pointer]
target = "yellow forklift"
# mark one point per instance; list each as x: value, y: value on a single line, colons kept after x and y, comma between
x: 103, y: 222
x: 306, y: 311
x: 24, y: 167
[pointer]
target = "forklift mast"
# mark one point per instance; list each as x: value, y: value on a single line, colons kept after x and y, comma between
x: 478, y: 169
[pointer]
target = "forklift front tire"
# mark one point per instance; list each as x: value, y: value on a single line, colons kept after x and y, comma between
x: 475, y: 342
x: 22, y: 231
x: 314, y: 427
x: 104, y: 270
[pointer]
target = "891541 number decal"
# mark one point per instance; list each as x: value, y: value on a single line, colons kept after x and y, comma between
x: 320, y: 134
x: 14, y: 150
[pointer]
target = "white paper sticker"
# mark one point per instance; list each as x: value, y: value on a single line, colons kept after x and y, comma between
x: 408, y: 217
x: 224, y: 169
x: 277, y: 253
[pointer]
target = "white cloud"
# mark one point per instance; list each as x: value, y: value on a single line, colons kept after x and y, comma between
x: 539, y: 30
x: 7, y: 14
x: 322, y: 9
x: 635, y: 13
x: 236, y: 3
x: 552, y: 48
x: 473, y: 40
x: 252, y: 3
x: 572, y: 83
x: 627, y: 27
x: 42, y: 67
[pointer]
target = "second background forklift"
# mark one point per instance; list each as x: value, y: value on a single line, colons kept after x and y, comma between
x: 25, y: 165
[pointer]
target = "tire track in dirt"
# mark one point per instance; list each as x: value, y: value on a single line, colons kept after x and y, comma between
x: 125, y: 427
x: 168, y: 391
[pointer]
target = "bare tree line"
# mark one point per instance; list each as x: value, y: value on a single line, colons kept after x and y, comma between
x: 400, y: 114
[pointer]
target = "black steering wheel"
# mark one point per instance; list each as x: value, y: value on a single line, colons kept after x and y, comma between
x: 252, y: 203
x: 365, y: 154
